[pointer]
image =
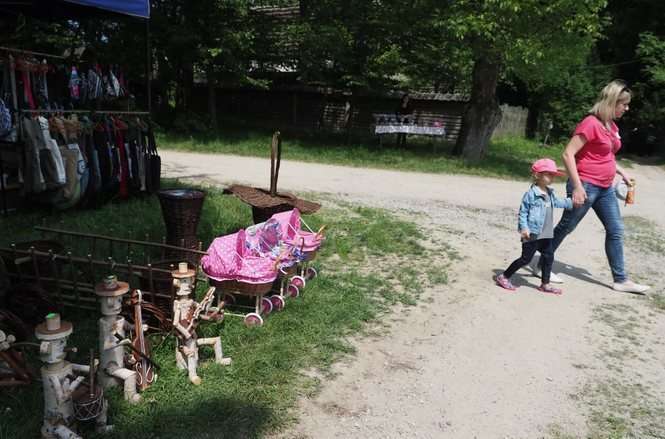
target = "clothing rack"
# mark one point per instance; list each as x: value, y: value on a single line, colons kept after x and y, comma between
x: 28, y: 52
x: 144, y: 113
x: 9, y: 54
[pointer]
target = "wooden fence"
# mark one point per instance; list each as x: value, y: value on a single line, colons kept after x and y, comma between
x: 315, y: 110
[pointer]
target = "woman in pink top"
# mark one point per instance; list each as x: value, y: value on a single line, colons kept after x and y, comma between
x: 591, y: 164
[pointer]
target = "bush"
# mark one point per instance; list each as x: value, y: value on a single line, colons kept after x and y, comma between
x: 191, y: 122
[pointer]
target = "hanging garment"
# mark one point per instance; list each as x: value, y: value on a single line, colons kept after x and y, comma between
x: 72, y: 128
x: 76, y: 170
x: 94, y: 179
x: 114, y: 85
x: 94, y: 83
x: 135, y: 157
x: 41, y: 85
x: 141, y: 153
x: 49, y: 148
x: 83, y: 89
x: 5, y: 119
x: 33, y: 178
x: 120, y: 130
x: 74, y: 85
x: 121, y: 80
x: 57, y: 128
x: 27, y: 89
x: 110, y: 190
x: 115, y: 153
x: 153, y: 164
x: 103, y: 155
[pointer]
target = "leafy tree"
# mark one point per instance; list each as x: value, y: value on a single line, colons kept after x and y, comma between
x: 651, y: 89
x: 529, y: 38
x: 346, y: 44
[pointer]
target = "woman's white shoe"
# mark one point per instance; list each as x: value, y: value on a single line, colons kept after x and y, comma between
x: 629, y: 286
x: 535, y: 269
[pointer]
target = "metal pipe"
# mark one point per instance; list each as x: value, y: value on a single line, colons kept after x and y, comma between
x: 28, y: 52
x: 145, y: 113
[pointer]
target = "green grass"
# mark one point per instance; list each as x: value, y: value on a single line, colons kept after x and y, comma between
x: 509, y: 157
x: 644, y: 234
x: 624, y: 404
x: 257, y: 393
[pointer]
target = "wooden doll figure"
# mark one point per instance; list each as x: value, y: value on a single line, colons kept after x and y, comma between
x: 112, y: 339
x: 186, y: 313
x: 59, y: 380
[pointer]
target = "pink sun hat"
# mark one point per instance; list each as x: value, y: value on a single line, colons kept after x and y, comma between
x: 546, y: 165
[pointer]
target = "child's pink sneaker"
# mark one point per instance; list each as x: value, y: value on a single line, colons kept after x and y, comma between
x: 549, y: 290
x: 504, y: 282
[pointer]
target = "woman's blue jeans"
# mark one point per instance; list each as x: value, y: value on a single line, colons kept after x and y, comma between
x: 604, y: 202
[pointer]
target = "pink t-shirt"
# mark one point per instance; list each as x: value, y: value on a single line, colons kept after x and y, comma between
x: 596, y: 161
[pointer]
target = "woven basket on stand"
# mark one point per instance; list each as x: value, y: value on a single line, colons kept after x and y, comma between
x: 267, y: 203
x: 181, y: 209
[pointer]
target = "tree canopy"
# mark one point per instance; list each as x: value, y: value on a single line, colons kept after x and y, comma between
x: 553, y: 55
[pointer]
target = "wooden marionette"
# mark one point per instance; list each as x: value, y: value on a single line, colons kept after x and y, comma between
x: 113, y: 330
x: 186, y: 315
x: 60, y: 382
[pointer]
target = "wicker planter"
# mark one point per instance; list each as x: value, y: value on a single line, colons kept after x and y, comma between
x: 181, y: 209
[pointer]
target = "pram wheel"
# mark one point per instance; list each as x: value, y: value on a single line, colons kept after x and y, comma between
x: 253, y: 319
x: 298, y: 281
x: 311, y: 273
x: 229, y: 298
x: 266, y: 306
x: 278, y: 302
x: 293, y: 291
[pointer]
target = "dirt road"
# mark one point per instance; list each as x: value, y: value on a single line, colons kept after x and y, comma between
x: 473, y: 360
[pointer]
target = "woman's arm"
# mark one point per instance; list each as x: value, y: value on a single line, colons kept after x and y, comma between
x: 574, y: 146
x: 622, y: 172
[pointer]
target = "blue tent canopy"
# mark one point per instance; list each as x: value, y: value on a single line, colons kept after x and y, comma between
x: 137, y: 8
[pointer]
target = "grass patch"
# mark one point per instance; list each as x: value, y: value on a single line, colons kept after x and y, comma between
x: 256, y: 394
x: 509, y: 157
x: 628, y: 410
x: 623, y: 404
x: 644, y: 234
x: 555, y: 431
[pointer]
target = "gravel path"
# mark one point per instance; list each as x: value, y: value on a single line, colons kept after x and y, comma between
x: 471, y: 360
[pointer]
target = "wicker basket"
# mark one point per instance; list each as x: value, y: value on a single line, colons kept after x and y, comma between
x: 87, y: 405
x: 244, y: 288
x: 181, y: 209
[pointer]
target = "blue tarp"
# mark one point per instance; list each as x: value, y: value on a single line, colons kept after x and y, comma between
x: 137, y: 8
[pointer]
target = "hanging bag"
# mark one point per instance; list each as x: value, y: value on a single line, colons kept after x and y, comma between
x: 153, y: 164
x: 5, y: 119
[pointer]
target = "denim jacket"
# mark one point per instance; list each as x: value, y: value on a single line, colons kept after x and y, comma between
x: 532, y: 210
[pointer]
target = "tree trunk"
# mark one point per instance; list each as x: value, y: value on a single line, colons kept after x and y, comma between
x: 183, y: 103
x: 482, y: 114
x: 212, y: 98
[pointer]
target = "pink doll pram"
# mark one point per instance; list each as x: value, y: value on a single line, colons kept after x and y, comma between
x: 234, y: 269
x: 304, y: 242
x: 266, y: 240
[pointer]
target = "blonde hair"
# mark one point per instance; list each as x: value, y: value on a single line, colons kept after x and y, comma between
x: 614, y: 92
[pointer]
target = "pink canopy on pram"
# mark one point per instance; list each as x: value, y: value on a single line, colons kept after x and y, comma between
x: 229, y: 258
x: 266, y: 240
x: 293, y: 234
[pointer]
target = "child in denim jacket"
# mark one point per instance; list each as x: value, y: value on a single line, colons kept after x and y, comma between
x: 535, y: 225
